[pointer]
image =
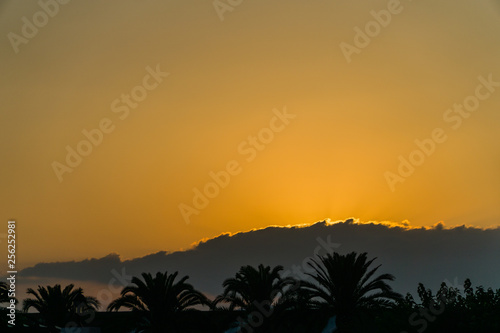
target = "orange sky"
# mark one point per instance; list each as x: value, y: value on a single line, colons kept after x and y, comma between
x: 227, y: 81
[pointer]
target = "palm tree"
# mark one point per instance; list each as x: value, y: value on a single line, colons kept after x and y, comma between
x: 4, y: 292
x: 255, y: 291
x: 4, y: 298
x: 158, y: 300
x: 344, y: 287
x: 57, y: 306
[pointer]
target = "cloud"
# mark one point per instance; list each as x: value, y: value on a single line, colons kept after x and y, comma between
x: 429, y: 255
x: 86, y: 270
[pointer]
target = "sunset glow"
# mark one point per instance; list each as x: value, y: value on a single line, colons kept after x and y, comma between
x: 117, y: 113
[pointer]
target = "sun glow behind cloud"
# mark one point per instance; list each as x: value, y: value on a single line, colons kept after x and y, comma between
x: 413, y: 255
x: 353, y: 120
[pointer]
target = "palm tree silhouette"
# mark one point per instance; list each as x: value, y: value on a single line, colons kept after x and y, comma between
x: 157, y: 300
x: 345, y: 288
x: 253, y: 286
x: 256, y: 291
x: 57, y: 306
x: 4, y: 292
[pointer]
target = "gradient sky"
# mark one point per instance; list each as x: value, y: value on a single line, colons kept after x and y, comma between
x: 352, y: 120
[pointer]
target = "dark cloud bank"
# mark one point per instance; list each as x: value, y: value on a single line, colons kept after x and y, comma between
x: 430, y: 256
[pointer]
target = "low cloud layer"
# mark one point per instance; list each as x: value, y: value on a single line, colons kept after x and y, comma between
x: 413, y: 255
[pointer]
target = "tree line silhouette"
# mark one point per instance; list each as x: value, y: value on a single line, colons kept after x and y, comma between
x: 343, y: 290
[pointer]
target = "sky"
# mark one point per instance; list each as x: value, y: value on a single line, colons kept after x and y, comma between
x: 133, y: 127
